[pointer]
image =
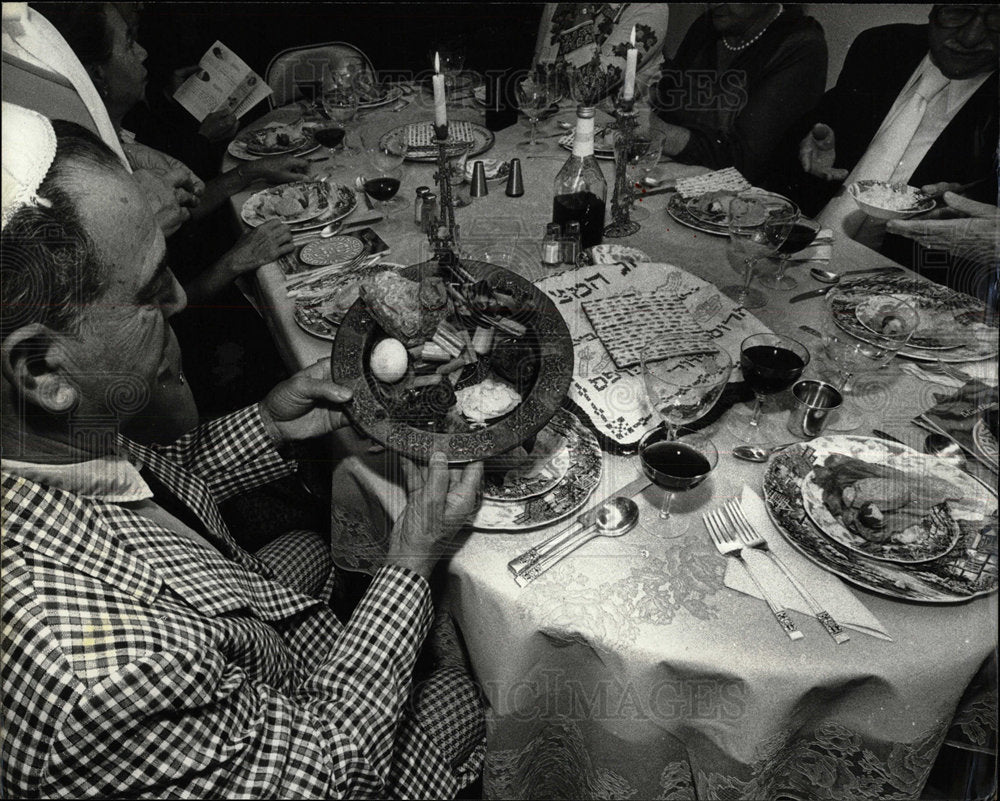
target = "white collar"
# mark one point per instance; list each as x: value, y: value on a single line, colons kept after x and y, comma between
x: 111, y: 478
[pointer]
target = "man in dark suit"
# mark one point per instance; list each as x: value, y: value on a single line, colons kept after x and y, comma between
x: 950, y: 143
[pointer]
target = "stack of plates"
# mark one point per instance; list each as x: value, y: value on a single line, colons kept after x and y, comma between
x: 886, y: 517
x: 951, y: 325
x: 526, y: 489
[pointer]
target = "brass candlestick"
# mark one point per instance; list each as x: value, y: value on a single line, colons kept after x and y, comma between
x: 621, y: 201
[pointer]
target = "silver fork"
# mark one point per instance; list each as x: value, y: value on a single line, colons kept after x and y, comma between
x: 728, y: 545
x: 752, y: 539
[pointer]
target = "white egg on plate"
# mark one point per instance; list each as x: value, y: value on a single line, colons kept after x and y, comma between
x: 389, y: 361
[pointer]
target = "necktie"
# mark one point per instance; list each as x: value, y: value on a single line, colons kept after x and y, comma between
x: 883, y: 154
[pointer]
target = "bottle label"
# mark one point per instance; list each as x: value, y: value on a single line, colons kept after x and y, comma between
x: 583, y: 140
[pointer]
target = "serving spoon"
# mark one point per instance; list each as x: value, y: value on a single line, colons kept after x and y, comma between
x: 944, y: 448
x: 615, y: 517
x: 831, y: 277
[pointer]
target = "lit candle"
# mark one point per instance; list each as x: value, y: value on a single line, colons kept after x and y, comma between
x: 440, y: 107
x: 631, y: 57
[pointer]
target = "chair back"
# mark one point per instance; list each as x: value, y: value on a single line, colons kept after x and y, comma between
x: 292, y: 72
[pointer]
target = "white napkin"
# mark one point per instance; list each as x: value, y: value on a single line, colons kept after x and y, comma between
x: 826, y: 588
x: 985, y: 371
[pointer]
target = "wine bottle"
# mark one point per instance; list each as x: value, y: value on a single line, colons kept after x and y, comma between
x: 580, y: 191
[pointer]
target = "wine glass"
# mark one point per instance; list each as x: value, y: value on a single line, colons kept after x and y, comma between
x: 758, y: 224
x: 845, y: 357
x: 341, y: 106
x: 770, y: 363
x: 675, y: 466
x: 382, y: 184
x: 533, y: 97
x: 643, y: 154
x: 683, y: 382
x: 457, y: 154
x: 801, y: 235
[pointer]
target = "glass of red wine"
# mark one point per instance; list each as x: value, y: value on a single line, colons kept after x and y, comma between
x: 675, y: 465
x: 770, y: 364
x: 801, y: 235
x: 384, y: 175
x: 683, y: 382
x: 330, y: 137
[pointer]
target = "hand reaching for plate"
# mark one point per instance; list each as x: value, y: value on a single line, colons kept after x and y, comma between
x: 276, y: 169
x: 972, y: 236
x: 265, y: 243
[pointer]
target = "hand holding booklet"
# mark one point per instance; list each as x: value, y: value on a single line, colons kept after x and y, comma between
x: 223, y: 81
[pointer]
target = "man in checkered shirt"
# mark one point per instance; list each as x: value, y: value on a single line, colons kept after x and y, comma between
x: 146, y: 654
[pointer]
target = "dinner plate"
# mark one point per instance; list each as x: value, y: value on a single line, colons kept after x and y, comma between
x: 316, y: 195
x: 933, y: 302
x: 985, y: 443
x: 611, y: 254
x: 936, y: 330
x: 518, y: 474
x: 547, y: 335
x: 967, y: 571
x: 922, y: 527
x: 677, y: 208
x: 720, y: 217
x: 482, y: 140
x: 238, y: 150
x: 495, y: 169
x: 311, y: 314
x: 392, y: 94
x: 566, y: 497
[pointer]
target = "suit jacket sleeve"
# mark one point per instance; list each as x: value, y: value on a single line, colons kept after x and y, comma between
x: 232, y: 453
x: 187, y: 721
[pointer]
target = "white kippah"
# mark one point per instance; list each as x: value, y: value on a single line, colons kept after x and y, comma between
x: 29, y: 148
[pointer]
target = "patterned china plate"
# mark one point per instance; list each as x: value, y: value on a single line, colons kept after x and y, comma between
x: 967, y: 571
x: 310, y: 313
x: 238, y: 150
x: 552, y: 346
x: 566, y: 497
x: 986, y: 443
x: 677, y: 208
x: 316, y: 196
x: 931, y: 302
x: 611, y: 254
x: 518, y: 476
x: 391, y: 95
x: 482, y: 140
x: 335, y: 250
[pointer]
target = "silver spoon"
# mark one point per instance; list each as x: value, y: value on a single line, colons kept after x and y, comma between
x: 830, y: 277
x: 331, y: 230
x: 615, y: 517
x: 757, y: 453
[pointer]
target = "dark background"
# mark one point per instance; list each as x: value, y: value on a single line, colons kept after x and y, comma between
x: 395, y: 36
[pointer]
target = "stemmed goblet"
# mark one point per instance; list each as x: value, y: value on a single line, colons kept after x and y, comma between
x: 341, y: 106
x: 770, y: 364
x: 800, y: 236
x: 846, y: 357
x: 758, y: 224
x: 533, y: 97
x: 383, y: 176
x: 683, y: 382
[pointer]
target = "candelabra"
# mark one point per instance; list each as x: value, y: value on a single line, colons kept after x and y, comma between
x: 621, y: 201
x: 443, y: 234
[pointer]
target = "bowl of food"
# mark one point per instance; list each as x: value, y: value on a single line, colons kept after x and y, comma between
x: 469, y: 359
x: 882, y: 200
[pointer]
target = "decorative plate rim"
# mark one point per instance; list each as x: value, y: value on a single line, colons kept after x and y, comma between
x: 550, y: 388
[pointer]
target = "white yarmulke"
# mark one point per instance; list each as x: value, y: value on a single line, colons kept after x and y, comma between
x: 29, y: 148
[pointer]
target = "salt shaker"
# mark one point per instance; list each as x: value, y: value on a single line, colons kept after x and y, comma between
x: 429, y: 213
x: 418, y: 204
x: 571, y: 242
x: 552, y: 246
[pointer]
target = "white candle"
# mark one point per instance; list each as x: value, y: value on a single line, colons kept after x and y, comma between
x: 440, y: 107
x: 631, y: 58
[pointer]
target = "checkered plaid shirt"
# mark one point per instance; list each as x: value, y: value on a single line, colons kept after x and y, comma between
x: 140, y: 663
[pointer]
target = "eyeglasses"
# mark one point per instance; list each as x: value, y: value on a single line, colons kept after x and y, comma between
x: 948, y: 16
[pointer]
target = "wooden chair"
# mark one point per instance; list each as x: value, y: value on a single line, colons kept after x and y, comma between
x: 292, y: 69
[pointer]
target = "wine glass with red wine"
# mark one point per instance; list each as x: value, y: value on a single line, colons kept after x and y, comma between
x: 683, y: 382
x: 800, y: 236
x: 770, y: 364
x: 676, y: 465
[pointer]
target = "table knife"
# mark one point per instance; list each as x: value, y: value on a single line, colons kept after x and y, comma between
x: 533, y: 555
x: 812, y: 293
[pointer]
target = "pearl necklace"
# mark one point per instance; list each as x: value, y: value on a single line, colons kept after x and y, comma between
x: 760, y: 33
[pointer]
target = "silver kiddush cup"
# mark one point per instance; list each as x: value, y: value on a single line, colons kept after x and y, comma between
x: 815, y: 401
